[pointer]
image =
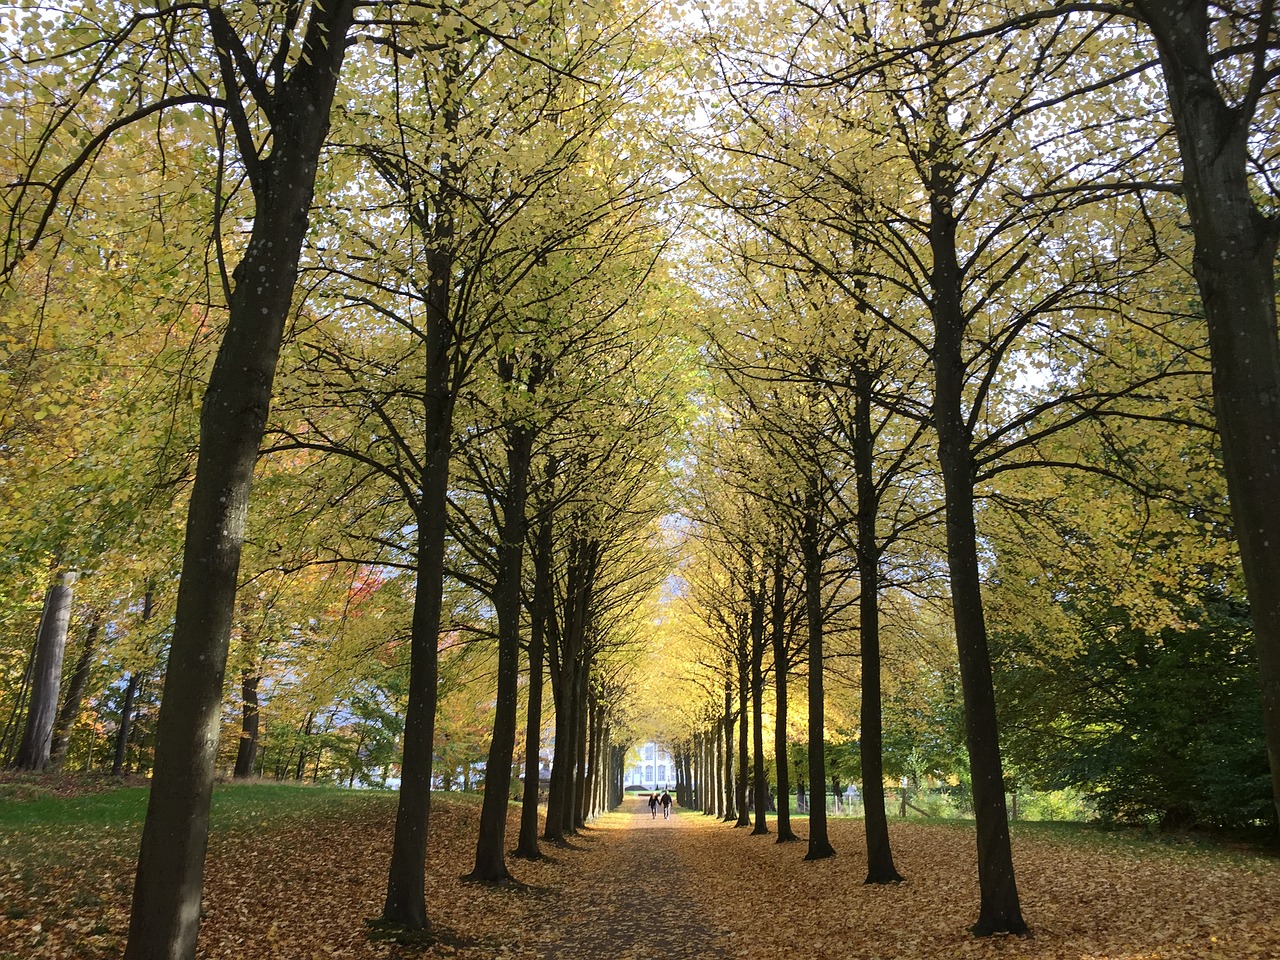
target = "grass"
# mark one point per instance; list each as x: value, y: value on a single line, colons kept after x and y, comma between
x: 44, y: 826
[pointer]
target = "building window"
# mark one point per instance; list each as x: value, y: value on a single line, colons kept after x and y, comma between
x: 662, y: 772
x: 648, y: 751
x: 648, y: 772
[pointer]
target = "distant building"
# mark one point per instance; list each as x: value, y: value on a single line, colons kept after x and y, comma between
x: 650, y: 767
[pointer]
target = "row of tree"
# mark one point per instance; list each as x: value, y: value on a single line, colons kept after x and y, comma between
x: 456, y: 430
x: 958, y: 326
x: 396, y: 266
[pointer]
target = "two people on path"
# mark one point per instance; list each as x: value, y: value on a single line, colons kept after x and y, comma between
x: 664, y: 801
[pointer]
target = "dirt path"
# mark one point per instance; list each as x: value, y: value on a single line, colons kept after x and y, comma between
x: 645, y: 901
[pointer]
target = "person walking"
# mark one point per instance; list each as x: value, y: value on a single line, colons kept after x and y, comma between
x: 653, y: 806
x: 665, y: 800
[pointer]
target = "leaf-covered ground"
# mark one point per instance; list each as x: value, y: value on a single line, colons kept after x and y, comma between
x: 635, y: 887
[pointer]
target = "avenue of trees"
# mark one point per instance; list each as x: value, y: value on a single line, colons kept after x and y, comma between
x: 435, y: 394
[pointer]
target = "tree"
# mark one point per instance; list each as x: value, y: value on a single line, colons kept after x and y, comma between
x: 51, y: 644
x: 1215, y: 62
x: 294, y: 100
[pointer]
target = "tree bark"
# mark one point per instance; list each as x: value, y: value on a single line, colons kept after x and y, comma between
x: 491, y: 865
x: 126, y: 725
x: 578, y: 808
x: 405, y: 903
x: 744, y: 752
x: 760, y: 782
x: 51, y: 645
x: 726, y: 755
x: 130, y: 694
x: 166, y: 900
x: 880, y: 865
x: 781, y: 667
x: 527, y: 847
x: 999, y: 911
x: 819, y: 842
x: 1234, y: 265
x: 247, y: 751
x: 74, y: 699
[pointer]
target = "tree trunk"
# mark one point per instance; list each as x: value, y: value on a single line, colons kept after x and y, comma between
x: 726, y: 755
x: 880, y: 866
x: 527, y: 847
x: 781, y: 666
x: 247, y: 751
x: 75, y: 694
x: 999, y: 911
x: 491, y: 865
x: 760, y: 782
x: 126, y: 725
x: 819, y: 843
x: 51, y: 645
x: 1234, y: 264
x: 744, y: 711
x: 578, y: 807
x: 166, y: 899
x: 561, y: 777
x: 130, y: 695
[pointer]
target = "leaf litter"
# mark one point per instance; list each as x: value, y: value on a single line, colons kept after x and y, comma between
x: 634, y: 887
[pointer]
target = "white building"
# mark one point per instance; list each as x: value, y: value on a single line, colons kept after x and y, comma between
x: 650, y: 767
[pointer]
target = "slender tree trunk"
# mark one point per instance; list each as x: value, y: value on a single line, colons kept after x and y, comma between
x: 718, y: 764
x: 781, y: 667
x: 561, y: 785
x: 819, y: 843
x: 1000, y: 910
x: 247, y: 751
x: 491, y: 844
x: 710, y: 736
x: 527, y: 847
x: 726, y: 755
x: 166, y: 898
x: 579, y: 806
x: 126, y: 725
x: 744, y: 753
x: 51, y: 645
x: 880, y: 866
x: 75, y: 694
x: 760, y: 781
x: 303, y: 756
x: 1234, y: 264
x: 130, y: 694
x: 13, y: 726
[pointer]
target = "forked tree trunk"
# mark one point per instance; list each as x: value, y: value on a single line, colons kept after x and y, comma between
x: 1234, y: 264
x: 126, y: 726
x: 166, y: 899
x: 51, y: 645
x: 74, y: 699
x: 130, y: 694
